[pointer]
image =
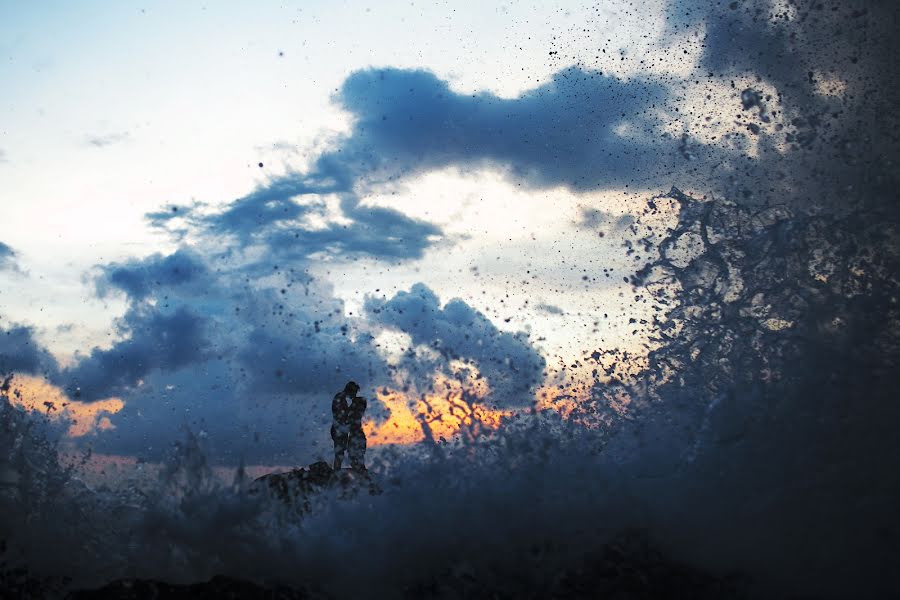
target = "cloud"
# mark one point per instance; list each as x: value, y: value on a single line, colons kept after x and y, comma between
x: 317, y: 357
x: 245, y: 351
x: 511, y: 365
x: 109, y: 139
x: 7, y: 258
x: 139, y: 278
x: 582, y: 129
x: 3, y: 158
x: 154, y: 339
x: 551, y: 309
x: 273, y: 219
x: 21, y: 353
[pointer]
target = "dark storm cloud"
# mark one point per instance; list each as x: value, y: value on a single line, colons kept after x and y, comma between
x: 268, y: 205
x: 561, y: 133
x: 271, y: 217
x: 154, y: 340
x: 287, y: 343
x: 301, y: 360
x: 165, y: 328
x: 511, y: 365
x: 375, y: 232
x: 20, y: 352
x: 138, y: 278
x: 7, y: 258
x: 582, y: 129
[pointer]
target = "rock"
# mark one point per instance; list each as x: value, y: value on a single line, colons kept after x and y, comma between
x: 296, y: 486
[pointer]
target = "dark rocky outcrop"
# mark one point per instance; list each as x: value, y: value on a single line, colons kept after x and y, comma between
x: 295, y: 487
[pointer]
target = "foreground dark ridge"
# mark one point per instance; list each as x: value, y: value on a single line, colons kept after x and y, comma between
x: 217, y: 588
x: 628, y: 567
x: 296, y: 486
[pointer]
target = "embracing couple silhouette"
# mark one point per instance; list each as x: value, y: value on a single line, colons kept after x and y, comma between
x: 347, y: 409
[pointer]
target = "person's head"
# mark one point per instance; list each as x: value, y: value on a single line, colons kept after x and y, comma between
x: 351, y: 388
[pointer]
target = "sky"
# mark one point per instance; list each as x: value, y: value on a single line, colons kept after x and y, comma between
x: 214, y: 214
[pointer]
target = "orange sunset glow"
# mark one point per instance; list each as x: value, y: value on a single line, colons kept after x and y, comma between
x: 36, y: 394
x: 444, y: 412
x: 452, y: 409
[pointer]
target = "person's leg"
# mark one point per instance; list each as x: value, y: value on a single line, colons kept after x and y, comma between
x: 357, y: 450
x: 340, y: 446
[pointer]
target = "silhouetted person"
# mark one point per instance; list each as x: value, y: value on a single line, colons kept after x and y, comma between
x: 346, y: 431
x: 357, y: 442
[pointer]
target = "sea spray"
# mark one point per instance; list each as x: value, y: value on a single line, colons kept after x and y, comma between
x: 757, y: 439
